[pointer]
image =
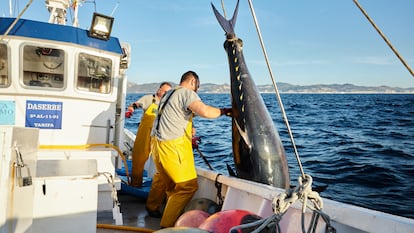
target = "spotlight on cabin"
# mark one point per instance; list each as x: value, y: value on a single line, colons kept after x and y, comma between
x: 101, y: 26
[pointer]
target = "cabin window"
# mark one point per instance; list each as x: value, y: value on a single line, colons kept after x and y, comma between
x: 43, y: 67
x: 4, y: 73
x: 94, y: 73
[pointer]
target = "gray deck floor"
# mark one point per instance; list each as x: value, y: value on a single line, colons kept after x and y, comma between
x: 133, y: 214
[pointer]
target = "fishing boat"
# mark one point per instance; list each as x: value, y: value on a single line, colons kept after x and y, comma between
x: 62, y: 97
x: 64, y: 149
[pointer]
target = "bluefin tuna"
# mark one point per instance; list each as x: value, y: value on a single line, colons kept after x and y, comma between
x: 257, y: 149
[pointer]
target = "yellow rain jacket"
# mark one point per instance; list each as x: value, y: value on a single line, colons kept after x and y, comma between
x: 142, y: 144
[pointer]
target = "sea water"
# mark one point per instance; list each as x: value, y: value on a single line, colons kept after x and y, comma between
x: 360, y: 146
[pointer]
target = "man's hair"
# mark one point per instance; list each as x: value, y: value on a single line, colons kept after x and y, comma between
x: 187, y: 75
x: 165, y: 83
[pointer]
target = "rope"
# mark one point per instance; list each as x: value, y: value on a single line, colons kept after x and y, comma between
x: 263, y: 223
x: 384, y: 38
x: 110, y: 180
x: 218, y: 187
x: 281, y: 204
x: 17, y: 19
x: 303, y: 192
x: 282, y: 109
x: 224, y: 10
x: 123, y: 228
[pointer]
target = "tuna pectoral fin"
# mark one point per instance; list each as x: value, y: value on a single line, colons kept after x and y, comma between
x: 243, y: 135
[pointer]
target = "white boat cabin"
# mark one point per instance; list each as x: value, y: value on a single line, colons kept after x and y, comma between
x: 60, y: 80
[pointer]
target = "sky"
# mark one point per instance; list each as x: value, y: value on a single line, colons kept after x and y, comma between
x: 307, y: 42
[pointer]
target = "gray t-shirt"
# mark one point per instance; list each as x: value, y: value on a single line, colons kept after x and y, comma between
x: 175, y: 114
x: 145, y: 101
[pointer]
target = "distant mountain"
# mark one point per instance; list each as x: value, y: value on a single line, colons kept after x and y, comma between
x: 282, y: 87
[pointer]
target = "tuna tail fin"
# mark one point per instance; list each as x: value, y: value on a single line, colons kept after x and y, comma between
x: 227, y: 25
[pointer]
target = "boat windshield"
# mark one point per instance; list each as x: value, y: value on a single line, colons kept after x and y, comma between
x: 94, y: 73
x: 43, y: 67
x: 4, y: 75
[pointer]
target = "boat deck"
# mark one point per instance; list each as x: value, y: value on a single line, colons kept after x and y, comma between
x: 134, y: 216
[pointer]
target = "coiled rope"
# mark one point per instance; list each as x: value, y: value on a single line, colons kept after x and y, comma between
x: 302, y: 192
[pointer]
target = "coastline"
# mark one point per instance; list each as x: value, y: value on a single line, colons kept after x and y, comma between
x: 284, y: 88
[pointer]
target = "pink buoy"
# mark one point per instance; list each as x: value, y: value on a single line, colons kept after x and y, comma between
x: 192, y: 218
x: 181, y: 229
x: 223, y: 221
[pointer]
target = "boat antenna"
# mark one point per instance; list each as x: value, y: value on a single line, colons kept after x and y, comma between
x: 91, y: 1
x: 10, y: 8
x: 282, y: 109
x: 116, y: 7
x: 75, y: 7
x: 57, y: 10
x: 384, y: 38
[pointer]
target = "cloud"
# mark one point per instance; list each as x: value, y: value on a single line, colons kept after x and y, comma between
x: 371, y: 60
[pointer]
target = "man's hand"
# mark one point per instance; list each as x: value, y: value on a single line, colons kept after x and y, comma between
x: 226, y: 111
x: 128, y: 114
x: 195, y: 141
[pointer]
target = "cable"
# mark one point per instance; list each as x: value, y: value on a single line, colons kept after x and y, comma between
x: 282, y: 109
x: 17, y: 19
x: 384, y: 38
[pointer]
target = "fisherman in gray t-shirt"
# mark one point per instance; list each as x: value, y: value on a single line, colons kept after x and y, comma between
x: 172, y: 148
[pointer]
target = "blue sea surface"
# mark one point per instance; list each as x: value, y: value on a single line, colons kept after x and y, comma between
x: 361, y: 146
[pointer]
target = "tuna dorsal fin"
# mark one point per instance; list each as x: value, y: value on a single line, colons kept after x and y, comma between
x: 227, y: 25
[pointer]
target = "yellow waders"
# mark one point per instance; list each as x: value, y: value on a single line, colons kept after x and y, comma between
x: 174, y: 160
x: 142, y: 145
x: 156, y: 194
